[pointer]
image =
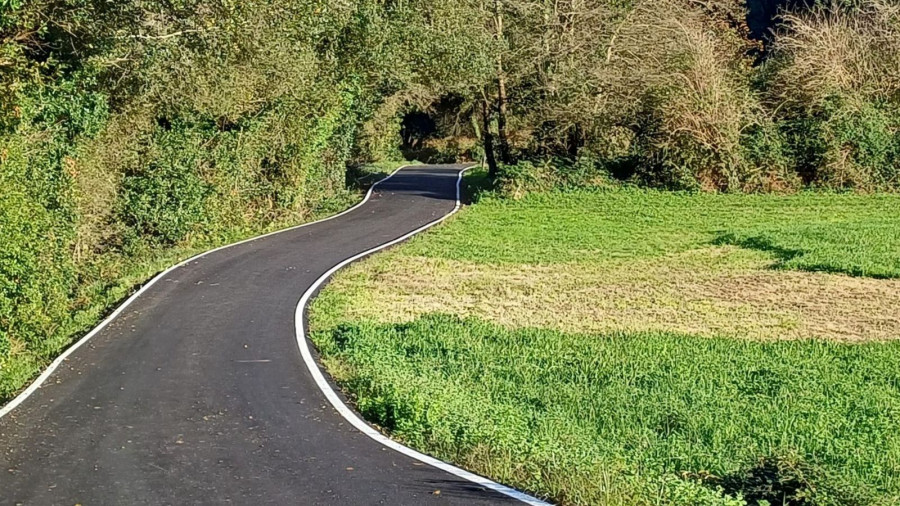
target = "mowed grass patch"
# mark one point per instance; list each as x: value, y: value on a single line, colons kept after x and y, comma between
x: 810, y: 265
x: 712, y: 292
x: 641, y: 418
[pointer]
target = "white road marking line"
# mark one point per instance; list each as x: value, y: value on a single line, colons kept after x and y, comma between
x: 355, y: 420
x: 19, y: 399
x: 323, y: 385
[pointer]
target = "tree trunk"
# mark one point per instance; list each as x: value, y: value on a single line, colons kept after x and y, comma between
x: 501, y: 115
x: 575, y: 141
x: 501, y: 89
x: 487, y: 139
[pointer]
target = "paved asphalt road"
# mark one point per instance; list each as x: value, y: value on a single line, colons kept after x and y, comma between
x: 197, y: 392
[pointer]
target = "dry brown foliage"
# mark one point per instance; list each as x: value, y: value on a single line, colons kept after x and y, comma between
x: 831, y: 50
x: 686, y: 72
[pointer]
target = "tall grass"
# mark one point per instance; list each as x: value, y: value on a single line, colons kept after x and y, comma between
x: 681, y: 106
x: 633, y: 419
x: 833, y: 49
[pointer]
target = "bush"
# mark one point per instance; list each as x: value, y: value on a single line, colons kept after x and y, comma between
x: 37, y: 274
x: 165, y: 200
x: 835, y: 81
x: 848, y: 144
x: 693, y: 100
x: 557, y: 174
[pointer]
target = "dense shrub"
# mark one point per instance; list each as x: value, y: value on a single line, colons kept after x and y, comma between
x: 847, y: 145
x: 526, y: 177
x: 128, y: 130
x: 680, y: 94
x: 835, y: 81
x: 165, y: 199
x: 693, y: 101
x: 37, y: 274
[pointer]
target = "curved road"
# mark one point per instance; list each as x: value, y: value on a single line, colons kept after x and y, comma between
x: 197, y: 392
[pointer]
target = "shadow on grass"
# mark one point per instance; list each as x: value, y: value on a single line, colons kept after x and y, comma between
x: 772, y: 481
x: 785, y: 255
x: 759, y: 243
x: 785, y: 481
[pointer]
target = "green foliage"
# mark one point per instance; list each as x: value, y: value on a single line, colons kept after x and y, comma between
x: 557, y: 174
x: 765, y: 149
x: 36, y: 275
x: 849, y: 145
x: 166, y: 199
x: 132, y: 130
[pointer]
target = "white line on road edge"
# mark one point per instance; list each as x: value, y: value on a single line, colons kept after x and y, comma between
x: 304, y: 348
x: 19, y: 399
x: 355, y: 420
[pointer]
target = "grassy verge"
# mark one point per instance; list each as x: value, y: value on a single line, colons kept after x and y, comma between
x: 443, y: 343
x: 109, y: 280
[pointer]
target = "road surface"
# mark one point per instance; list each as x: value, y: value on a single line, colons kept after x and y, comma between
x: 197, y: 393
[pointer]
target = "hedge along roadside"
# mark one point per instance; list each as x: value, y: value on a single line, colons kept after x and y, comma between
x: 21, y: 397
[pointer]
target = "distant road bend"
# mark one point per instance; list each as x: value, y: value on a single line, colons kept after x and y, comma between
x: 197, y: 391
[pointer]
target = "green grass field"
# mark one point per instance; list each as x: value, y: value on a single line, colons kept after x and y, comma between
x: 846, y: 233
x: 625, y: 416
